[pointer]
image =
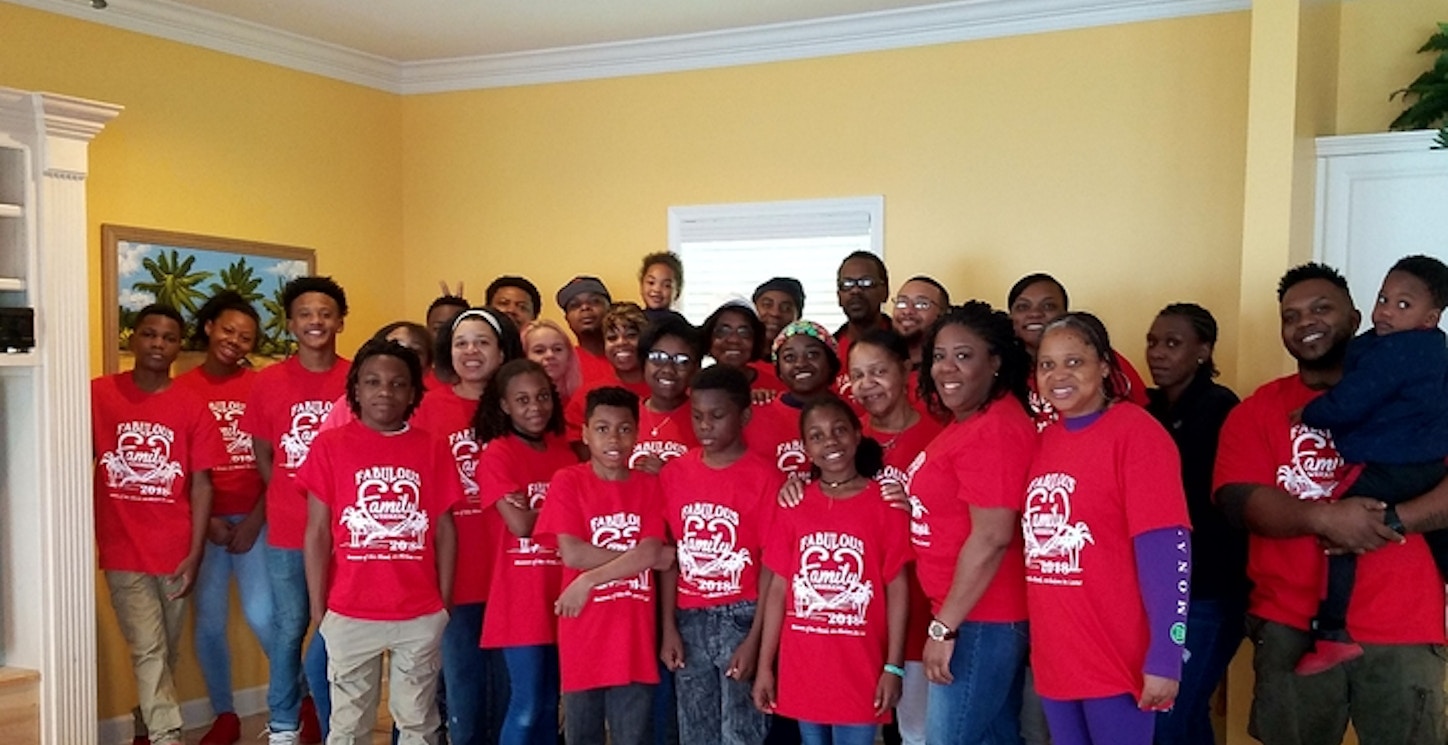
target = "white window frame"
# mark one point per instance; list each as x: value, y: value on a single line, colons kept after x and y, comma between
x: 790, y: 219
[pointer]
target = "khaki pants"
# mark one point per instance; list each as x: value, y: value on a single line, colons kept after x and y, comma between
x: 152, y: 626
x: 354, y: 669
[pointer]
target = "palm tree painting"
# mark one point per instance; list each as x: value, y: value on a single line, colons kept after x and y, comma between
x: 147, y: 266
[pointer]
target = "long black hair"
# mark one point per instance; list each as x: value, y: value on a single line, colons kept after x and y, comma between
x: 490, y: 421
x: 869, y: 456
x: 995, y: 329
x: 510, y: 346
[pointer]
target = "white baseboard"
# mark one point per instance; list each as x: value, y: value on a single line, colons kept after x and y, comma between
x: 194, y: 713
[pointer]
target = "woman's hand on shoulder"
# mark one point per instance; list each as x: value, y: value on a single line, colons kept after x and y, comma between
x: 791, y: 492
x: 1157, y: 693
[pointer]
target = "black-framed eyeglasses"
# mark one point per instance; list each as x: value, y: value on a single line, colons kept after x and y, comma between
x: 724, y: 332
x: 864, y: 283
x: 918, y: 303
x: 660, y: 357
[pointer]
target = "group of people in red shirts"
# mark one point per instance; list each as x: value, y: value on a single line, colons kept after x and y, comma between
x: 970, y: 524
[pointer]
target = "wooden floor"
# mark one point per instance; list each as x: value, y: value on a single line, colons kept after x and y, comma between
x: 252, y: 726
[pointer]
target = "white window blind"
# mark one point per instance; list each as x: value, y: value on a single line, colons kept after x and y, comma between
x: 729, y: 249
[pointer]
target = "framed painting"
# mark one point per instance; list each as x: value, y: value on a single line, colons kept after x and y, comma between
x: 140, y: 266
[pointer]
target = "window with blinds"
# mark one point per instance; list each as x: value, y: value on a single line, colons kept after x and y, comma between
x: 729, y: 249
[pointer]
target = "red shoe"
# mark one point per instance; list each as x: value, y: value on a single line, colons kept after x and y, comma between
x: 310, y: 732
x: 1327, y: 655
x: 226, y: 730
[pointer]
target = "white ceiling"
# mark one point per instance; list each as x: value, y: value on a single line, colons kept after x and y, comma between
x: 416, y: 30
x: 430, y: 46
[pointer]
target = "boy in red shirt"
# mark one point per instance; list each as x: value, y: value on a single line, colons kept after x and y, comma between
x: 155, y: 445
x: 720, y: 499
x: 607, y: 523
x: 287, y: 405
x: 379, y: 549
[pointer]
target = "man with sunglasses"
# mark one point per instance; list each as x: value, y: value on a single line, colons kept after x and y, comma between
x: 862, y: 284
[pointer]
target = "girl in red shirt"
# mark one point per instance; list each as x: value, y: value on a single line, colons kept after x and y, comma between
x: 1108, y: 555
x: 879, y: 372
x: 807, y: 361
x: 835, y: 622
x: 670, y: 349
x: 380, y: 547
x: 521, y: 426
x: 546, y: 343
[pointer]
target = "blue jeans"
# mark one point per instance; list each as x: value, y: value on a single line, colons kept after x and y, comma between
x: 532, y: 717
x: 291, y: 614
x: 1215, y: 629
x: 465, y: 675
x: 982, y: 706
x: 712, y: 706
x: 624, y: 709
x: 212, y: 598
x: 837, y: 734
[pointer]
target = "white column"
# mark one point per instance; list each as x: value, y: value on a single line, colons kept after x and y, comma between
x: 68, y: 676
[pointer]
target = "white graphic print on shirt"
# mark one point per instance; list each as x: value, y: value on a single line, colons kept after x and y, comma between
x: 387, y: 517
x: 238, y: 444
x: 664, y: 450
x: 140, y: 468
x: 526, y: 552
x: 1053, y: 542
x: 465, y: 452
x: 790, y: 457
x: 307, y: 416
x: 1313, y: 472
x: 919, y: 515
x: 619, y: 532
x: 831, y: 594
x: 710, y: 558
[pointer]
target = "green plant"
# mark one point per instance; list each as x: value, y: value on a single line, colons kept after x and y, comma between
x: 1429, y: 109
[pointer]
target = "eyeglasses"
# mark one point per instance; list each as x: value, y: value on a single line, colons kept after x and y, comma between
x: 918, y: 303
x: 864, y: 283
x: 660, y: 357
x: 724, y: 332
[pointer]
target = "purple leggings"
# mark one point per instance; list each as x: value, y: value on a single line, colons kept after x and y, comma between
x: 1099, y: 721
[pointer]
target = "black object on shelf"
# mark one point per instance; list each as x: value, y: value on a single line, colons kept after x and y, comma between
x: 17, y: 329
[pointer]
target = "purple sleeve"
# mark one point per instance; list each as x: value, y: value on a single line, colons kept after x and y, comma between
x: 1164, y: 570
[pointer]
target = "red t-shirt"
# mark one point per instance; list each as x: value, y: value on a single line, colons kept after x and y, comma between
x: 773, y: 432
x: 901, y: 449
x: 235, y: 484
x: 765, y: 378
x: 666, y: 436
x: 286, y: 407
x: 837, y: 556
x: 594, y: 369
x: 385, y: 492
x: 147, y: 446
x: 981, y: 462
x: 577, y: 406
x: 612, y: 642
x: 718, y: 519
x: 1398, y: 597
x: 1135, y: 393
x: 1090, y: 493
x: 527, y: 575
x: 449, y: 417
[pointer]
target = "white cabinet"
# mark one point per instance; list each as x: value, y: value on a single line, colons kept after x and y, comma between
x: 47, y: 555
x: 1380, y: 197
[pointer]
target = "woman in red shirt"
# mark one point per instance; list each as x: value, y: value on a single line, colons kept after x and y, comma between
x: 965, y: 491
x: 808, y: 361
x: 623, y: 324
x: 736, y: 337
x: 546, y: 343
x: 1108, y: 553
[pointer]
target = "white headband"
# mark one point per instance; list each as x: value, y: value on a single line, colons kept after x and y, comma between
x: 478, y: 313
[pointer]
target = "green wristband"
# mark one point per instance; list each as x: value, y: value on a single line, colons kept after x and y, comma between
x: 895, y: 670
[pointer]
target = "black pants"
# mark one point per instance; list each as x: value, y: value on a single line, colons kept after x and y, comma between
x: 1393, y: 484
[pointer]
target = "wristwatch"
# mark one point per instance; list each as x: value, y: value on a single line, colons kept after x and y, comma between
x: 939, y: 632
x: 1391, y: 519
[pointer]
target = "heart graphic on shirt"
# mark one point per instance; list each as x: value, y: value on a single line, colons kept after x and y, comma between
x: 830, y: 582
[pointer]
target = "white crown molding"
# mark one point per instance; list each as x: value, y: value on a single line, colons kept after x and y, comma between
x: 1380, y: 142
x: 960, y: 20
x: 223, y: 33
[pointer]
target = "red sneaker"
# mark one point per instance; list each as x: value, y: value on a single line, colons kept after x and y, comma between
x: 311, y: 730
x: 226, y: 730
x: 1327, y: 655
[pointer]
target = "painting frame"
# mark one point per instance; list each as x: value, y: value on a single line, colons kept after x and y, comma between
x: 275, y: 263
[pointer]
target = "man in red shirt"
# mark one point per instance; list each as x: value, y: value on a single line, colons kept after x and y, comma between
x: 155, y: 445
x: 584, y: 301
x: 862, y: 283
x: 1281, y: 479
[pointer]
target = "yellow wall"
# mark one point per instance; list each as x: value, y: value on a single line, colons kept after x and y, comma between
x: 1112, y: 157
x: 214, y: 144
x: 1379, y: 43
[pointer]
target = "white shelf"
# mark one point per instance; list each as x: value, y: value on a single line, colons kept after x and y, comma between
x: 11, y: 210
x: 19, y: 359
x: 12, y: 284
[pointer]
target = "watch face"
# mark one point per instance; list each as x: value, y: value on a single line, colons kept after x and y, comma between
x: 937, y: 631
